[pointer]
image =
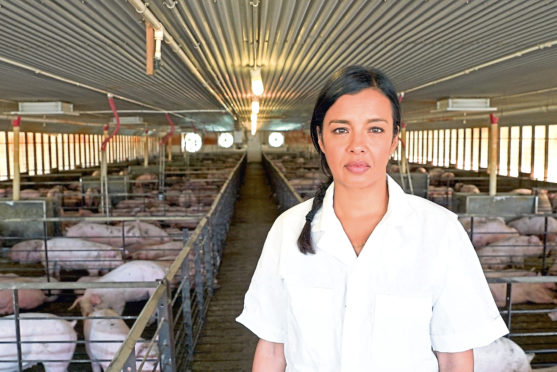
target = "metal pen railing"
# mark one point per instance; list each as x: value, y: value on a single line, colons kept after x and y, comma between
x: 185, y: 305
x: 180, y: 301
x: 285, y: 193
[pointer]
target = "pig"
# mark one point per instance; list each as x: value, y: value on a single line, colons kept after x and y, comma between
x: 27, y: 298
x: 535, y: 225
x: 152, y: 252
x: 135, y: 233
x: 29, y: 194
x: 510, y: 251
x: 71, y: 199
x: 27, y: 252
x: 521, y: 192
x: 146, y: 179
x: 440, y: 194
x: 187, y: 199
x: 98, y: 331
x: 502, y: 355
x: 116, y: 298
x: 77, y: 254
x: 538, y: 293
x: 487, y: 230
x: 466, y: 188
x: 46, y: 338
x: 435, y: 176
x: 92, y: 197
x: 446, y: 178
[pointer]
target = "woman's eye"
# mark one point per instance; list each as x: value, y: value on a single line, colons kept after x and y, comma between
x: 340, y: 130
x: 376, y: 130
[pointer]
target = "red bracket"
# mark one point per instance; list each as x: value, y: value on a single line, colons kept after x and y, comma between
x: 165, y: 139
x: 16, y: 122
x: 493, y: 119
x: 113, y: 107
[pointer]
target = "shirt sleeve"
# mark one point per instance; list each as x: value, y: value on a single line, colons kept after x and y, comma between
x: 265, y: 301
x: 464, y: 314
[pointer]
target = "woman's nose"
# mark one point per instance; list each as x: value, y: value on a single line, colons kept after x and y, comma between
x: 357, y: 145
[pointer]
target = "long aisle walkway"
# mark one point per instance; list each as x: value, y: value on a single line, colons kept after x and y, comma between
x: 225, y: 345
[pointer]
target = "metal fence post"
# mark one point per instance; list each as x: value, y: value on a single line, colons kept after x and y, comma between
x: 508, y: 305
x: 208, y: 260
x: 130, y: 365
x: 186, y: 306
x: 15, y: 300
x: 166, y: 336
x: 199, y: 281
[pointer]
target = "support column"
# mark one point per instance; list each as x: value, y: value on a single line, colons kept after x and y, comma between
x: 16, y: 181
x: 493, y: 142
x: 403, y: 148
x: 145, y: 150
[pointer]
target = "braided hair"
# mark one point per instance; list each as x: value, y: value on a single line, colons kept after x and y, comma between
x: 349, y: 80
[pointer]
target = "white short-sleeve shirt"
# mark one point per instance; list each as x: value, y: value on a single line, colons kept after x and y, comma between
x: 416, y: 286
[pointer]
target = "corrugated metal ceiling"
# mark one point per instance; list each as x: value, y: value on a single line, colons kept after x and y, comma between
x: 297, y: 44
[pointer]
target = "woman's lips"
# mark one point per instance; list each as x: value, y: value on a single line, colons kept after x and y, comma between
x: 357, y: 167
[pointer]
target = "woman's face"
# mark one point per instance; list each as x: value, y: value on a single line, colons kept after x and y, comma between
x: 357, y: 138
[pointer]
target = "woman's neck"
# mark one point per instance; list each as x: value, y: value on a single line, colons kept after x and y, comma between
x: 361, y: 202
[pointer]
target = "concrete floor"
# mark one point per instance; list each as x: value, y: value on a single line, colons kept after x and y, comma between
x: 225, y: 345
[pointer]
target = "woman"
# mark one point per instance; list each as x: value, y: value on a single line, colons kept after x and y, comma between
x: 364, y: 277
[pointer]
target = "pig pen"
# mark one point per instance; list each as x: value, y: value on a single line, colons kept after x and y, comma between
x: 189, y: 281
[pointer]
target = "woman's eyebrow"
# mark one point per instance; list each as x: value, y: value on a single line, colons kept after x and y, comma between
x: 342, y: 121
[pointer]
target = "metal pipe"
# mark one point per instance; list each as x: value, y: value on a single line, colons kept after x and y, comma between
x: 493, y: 142
x: 149, y: 48
x: 140, y: 7
x: 520, y: 53
x: 524, y: 111
x: 152, y: 111
x: 76, y: 83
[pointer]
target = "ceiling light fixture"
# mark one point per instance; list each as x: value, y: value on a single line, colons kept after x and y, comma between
x: 255, y: 106
x: 256, y: 82
x: 253, y: 124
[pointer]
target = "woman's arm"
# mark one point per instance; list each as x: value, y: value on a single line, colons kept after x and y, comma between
x: 456, y: 362
x: 269, y: 357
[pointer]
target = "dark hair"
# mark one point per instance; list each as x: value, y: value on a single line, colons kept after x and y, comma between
x: 349, y: 80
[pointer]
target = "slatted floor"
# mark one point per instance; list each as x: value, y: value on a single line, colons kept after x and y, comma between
x: 225, y: 345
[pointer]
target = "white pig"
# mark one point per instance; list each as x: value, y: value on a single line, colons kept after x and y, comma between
x: 27, y: 298
x: 535, y: 225
x: 538, y: 293
x: 98, y: 331
x: 152, y: 252
x: 135, y: 233
x: 26, y: 252
x: 116, y: 298
x: 49, y: 337
x: 502, y: 355
x: 487, y: 230
x: 76, y: 254
x: 510, y: 251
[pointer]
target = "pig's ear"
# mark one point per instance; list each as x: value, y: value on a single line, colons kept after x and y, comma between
x: 95, y: 299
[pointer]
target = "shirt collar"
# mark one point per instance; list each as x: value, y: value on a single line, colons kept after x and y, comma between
x: 397, y: 208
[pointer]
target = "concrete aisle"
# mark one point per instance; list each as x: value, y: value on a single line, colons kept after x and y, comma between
x: 225, y: 345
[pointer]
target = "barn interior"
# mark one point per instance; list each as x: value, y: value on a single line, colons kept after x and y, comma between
x: 164, y: 114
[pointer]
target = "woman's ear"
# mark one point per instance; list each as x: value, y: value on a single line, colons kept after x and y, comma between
x: 320, y: 139
x: 394, y: 144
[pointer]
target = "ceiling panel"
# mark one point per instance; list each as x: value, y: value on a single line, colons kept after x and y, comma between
x: 297, y: 44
